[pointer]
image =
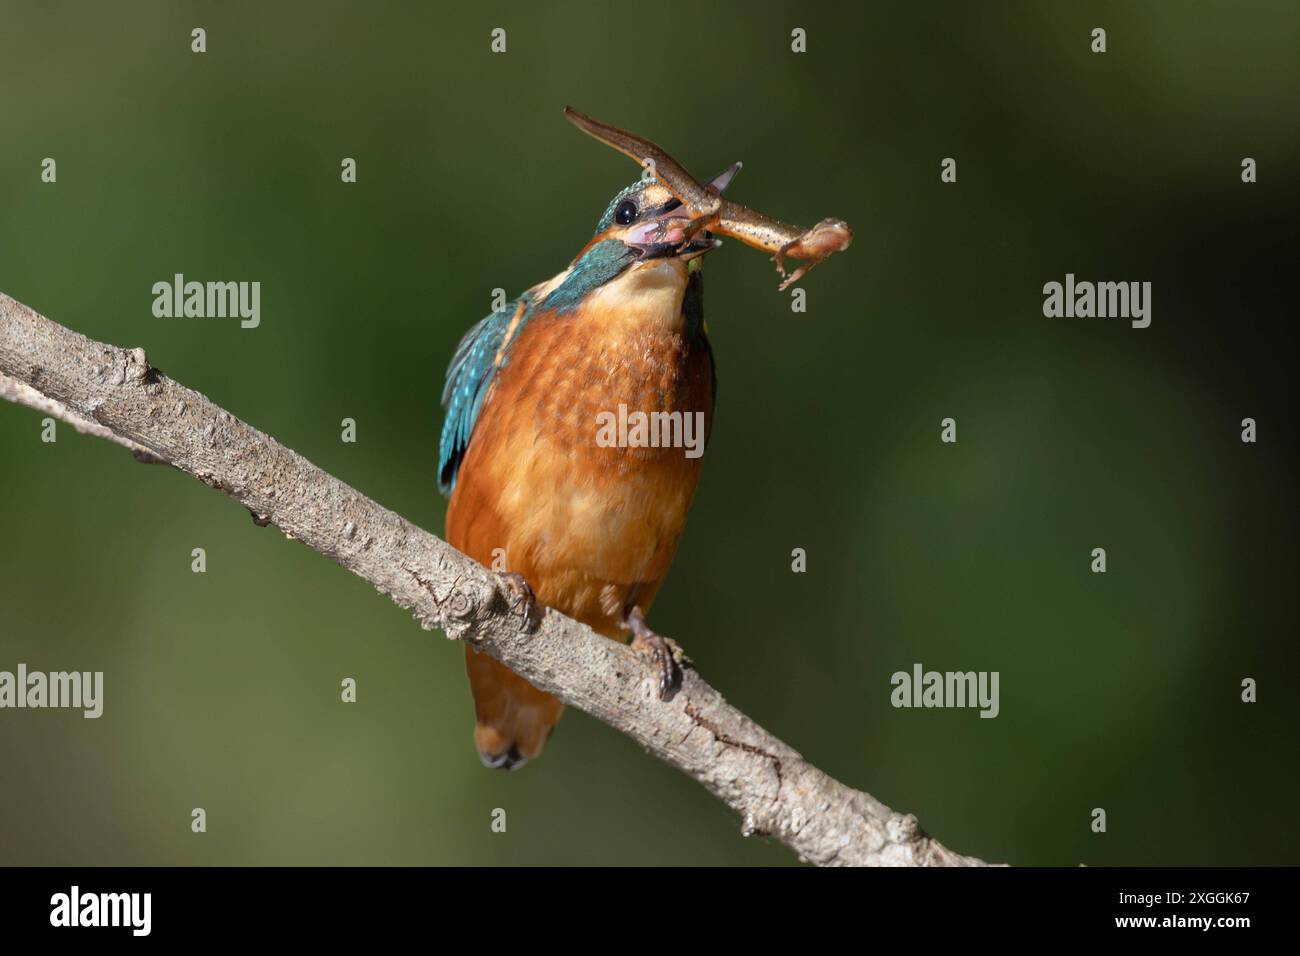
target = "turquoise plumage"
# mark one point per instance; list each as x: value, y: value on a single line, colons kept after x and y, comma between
x: 469, y: 376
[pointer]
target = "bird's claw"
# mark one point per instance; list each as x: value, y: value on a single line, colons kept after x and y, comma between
x: 522, y: 599
x: 666, y: 656
x: 663, y: 654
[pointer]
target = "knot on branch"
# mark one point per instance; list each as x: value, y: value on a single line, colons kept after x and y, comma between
x: 460, y: 604
x: 904, y: 828
x: 137, y: 366
x: 124, y: 367
x: 468, y: 609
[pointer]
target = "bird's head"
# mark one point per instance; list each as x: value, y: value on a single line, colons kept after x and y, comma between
x: 652, y: 223
x: 646, y: 234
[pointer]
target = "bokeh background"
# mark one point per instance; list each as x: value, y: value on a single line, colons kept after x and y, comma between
x: 1118, y: 691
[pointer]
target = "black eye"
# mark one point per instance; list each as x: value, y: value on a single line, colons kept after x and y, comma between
x: 625, y: 212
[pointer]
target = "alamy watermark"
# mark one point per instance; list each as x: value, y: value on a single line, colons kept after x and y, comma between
x: 76, y: 690
x: 922, y: 688
x: 624, y: 429
x: 1102, y: 300
x: 209, y: 300
x: 75, y: 908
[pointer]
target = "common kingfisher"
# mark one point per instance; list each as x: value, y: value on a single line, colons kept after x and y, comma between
x: 589, y: 527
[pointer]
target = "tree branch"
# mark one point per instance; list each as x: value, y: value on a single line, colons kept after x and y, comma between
x: 113, y: 393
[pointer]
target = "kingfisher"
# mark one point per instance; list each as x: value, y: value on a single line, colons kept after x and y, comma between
x: 590, y: 527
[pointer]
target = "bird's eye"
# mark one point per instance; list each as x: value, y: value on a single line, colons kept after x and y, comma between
x: 625, y: 212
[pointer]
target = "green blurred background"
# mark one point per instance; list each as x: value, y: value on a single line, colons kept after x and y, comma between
x: 1118, y: 690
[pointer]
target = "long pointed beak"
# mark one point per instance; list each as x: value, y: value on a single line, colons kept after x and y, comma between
x: 673, y: 232
x: 720, y: 182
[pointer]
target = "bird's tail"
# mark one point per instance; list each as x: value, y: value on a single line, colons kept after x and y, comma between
x: 514, y: 718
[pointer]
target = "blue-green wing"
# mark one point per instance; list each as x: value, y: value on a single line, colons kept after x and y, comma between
x: 469, y: 376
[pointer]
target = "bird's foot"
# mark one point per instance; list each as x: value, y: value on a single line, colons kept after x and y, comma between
x: 664, y: 654
x: 522, y: 599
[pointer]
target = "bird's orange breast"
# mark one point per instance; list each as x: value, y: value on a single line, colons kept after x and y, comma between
x: 591, y: 527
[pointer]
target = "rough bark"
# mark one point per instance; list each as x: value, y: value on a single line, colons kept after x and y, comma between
x: 113, y: 393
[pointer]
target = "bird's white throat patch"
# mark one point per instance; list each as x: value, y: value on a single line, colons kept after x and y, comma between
x: 647, y: 293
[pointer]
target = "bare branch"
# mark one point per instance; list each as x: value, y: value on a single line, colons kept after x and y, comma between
x: 113, y: 393
x: 21, y: 394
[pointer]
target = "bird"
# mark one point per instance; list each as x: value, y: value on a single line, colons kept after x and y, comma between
x: 584, y: 526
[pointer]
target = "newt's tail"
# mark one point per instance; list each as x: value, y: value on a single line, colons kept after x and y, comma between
x: 514, y: 718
